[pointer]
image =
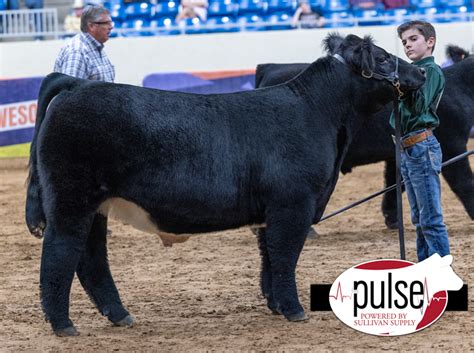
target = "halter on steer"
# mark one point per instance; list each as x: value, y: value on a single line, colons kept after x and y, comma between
x: 391, y: 77
x: 395, y: 81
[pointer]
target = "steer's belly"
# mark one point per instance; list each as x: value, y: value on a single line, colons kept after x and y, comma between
x: 130, y: 213
x: 134, y: 215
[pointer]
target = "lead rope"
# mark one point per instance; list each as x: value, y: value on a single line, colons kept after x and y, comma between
x: 396, y: 81
x: 401, y: 232
x: 398, y: 157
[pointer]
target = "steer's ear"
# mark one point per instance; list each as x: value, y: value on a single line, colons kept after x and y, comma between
x: 332, y: 42
x: 359, y: 54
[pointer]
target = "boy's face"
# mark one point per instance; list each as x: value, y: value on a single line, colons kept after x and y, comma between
x: 415, y: 45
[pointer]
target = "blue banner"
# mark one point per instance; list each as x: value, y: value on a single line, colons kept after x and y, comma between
x: 203, y: 82
x: 17, y: 114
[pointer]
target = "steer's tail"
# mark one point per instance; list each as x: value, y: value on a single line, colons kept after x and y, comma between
x: 51, y: 86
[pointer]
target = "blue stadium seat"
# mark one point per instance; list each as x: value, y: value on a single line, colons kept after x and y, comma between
x: 337, y: 6
x: 166, y: 9
x: 222, y: 24
x: 430, y: 14
x: 3, y: 5
x: 424, y: 3
x: 338, y: 19
x: 278, y: 20
x: 397, y: 16
x: 368, y: 17
x: 117, y: 26
x: 252, y: 6
x: 110, y: 4
x: 316, y: 4
x: 247, y: 20
x: 281, y: 6
x: 222, y: 8
x: 457, y: 13
x: 192, y: 25
x: 164, y: 26
x: 117, y: 12
x: 449, y: 3
x: 139, y: 10
x: 136, y: 25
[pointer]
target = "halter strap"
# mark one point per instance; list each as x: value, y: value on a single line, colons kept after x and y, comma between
x: 340, y: 58
x: 391, y: 77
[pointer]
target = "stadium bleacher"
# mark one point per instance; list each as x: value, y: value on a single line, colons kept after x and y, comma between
x: 144, y: 17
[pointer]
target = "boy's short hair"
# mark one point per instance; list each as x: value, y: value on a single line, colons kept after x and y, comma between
x: 425, y: 28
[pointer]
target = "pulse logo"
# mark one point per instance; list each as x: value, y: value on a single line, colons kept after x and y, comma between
x: 393, y: 297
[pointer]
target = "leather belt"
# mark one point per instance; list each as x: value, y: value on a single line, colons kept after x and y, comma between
x: 414, y: 139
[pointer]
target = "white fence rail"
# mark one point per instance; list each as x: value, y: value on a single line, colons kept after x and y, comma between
x: 37, y: 23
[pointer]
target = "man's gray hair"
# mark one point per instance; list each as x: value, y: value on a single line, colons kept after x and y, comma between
x: 92, y: 13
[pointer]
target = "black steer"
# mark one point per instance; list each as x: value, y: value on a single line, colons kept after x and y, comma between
x: 373, y: 143
x: 175, y: 163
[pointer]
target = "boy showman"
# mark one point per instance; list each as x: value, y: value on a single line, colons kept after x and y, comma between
x: 421, y: 152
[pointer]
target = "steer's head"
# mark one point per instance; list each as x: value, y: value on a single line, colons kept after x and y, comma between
x: 372, y: 63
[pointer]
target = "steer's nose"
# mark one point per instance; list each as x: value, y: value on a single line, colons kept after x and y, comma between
x: 423, y: 71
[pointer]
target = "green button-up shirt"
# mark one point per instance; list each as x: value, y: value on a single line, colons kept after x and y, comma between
x: 418, y: 109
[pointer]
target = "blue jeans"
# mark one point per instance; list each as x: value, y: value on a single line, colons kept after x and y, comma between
x: 420, y: 167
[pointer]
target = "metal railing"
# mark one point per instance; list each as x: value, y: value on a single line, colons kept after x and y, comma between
x: 42, y: 23
x: 37, y: 23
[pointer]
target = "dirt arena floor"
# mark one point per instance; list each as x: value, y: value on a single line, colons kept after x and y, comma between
x: 204, y: 294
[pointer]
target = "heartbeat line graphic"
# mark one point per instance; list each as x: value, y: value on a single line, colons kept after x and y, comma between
x: 339, y: 292
x: 426, y: 295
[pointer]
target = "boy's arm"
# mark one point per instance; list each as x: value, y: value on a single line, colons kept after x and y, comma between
x: 420, y: 100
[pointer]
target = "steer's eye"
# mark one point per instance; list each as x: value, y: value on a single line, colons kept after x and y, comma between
x: 382, y: 60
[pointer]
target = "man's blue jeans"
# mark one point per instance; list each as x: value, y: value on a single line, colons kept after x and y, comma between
x: 420, y: 167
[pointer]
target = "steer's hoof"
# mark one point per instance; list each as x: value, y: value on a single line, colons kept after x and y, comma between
x: 273, y: 308
x: 391, y: 224
x: 275, y: 312
x: 67, y: 332
x: 127, y: 321
x: 301, y: 316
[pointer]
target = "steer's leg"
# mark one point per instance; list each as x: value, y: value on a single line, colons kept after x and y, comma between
x: 287, y: 226
x: 63, y: 244
x: 389, y: 201
x: 459, y: 177
x: 265, y: 271
x: 94, y: 273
